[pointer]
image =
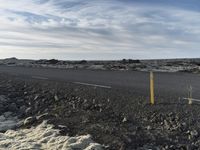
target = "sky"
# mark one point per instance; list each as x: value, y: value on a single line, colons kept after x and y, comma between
x: 99, y: 29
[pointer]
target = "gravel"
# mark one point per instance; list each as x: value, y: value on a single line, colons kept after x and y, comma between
x: 15, y: 135
x: 117, y: 118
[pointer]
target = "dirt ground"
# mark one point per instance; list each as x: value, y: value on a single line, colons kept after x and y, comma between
x: 119, y: 119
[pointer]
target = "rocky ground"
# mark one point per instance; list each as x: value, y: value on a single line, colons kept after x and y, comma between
x: 164, y: 65
x: 118, y: 119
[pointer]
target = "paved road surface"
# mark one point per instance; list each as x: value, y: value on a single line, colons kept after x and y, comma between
x: 165, y: 83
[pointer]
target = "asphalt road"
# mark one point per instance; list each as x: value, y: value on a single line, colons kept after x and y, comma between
x: 166, y: 84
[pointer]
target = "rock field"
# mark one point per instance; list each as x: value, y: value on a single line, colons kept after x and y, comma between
x: 165, y: 65
x: 117, y: 119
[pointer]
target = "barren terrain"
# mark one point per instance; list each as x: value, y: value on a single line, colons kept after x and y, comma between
x: 116, y: 119
x: 163, y: 65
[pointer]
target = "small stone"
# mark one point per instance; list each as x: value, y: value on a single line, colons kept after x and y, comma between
x: 184, y: 124
x: 100, y: 110
x: 194, y: 133
x: 85, y: 101
x: 28, y: 111
x: 73, y: 106
x: 56, y: 98
x: 29, y: 120
x: 36, y: 97
x: 167, y: 126
x: 20, y: 123
x: 62, y: 126
x: 22, y: 109
x: 149, y: 127
x: 42, y: 116
x: 124, y: 120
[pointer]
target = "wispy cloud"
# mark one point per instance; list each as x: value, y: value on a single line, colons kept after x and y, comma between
x: 98, y: 29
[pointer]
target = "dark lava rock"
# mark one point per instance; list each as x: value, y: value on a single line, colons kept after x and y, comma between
x: 29, y: 120
x: 28, y: 111
x: 43, y: 116
x: 13, y: 107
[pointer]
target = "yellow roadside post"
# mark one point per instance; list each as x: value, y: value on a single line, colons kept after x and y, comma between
x: 190, y: 95
x: 152, y: 99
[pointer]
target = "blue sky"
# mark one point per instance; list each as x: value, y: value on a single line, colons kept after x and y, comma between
x: 99, y: 29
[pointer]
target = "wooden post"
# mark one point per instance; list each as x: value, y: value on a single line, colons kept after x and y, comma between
x: 152, y: 99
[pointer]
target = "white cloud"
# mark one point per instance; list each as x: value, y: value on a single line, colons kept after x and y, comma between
x: 96, y: 29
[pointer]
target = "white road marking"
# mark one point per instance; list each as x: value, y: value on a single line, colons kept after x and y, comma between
x: 95, y: 85
x: 192, y: 99
x: 41, y: 78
